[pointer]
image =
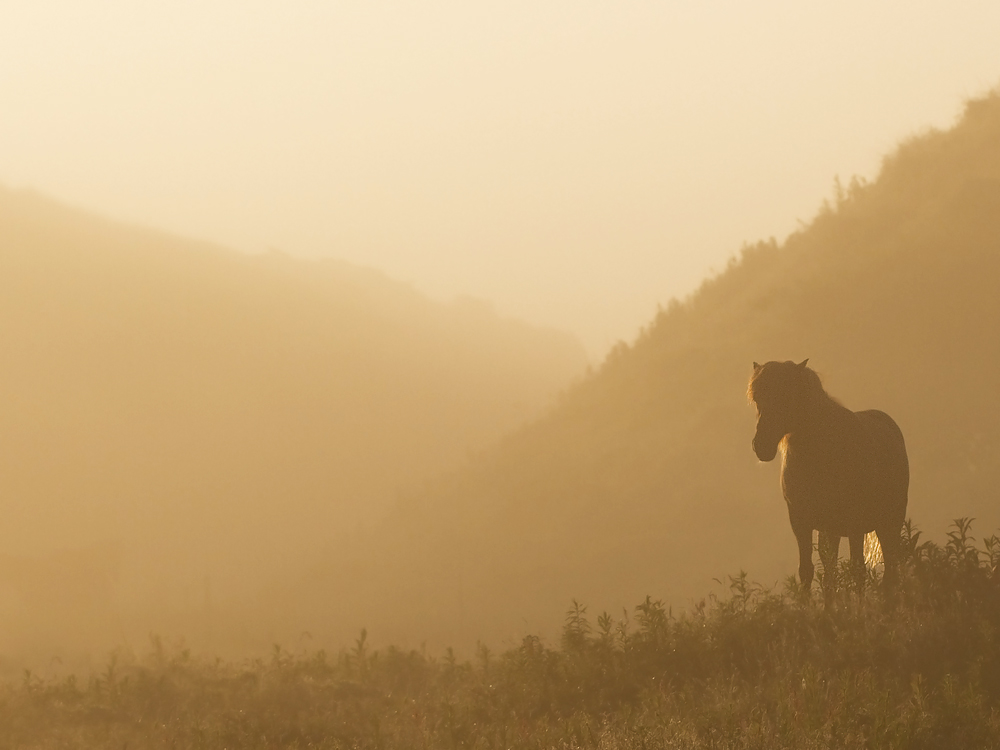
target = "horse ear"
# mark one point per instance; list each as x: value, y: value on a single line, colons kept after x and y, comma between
x: 803, y: 363
x: 755, y: 367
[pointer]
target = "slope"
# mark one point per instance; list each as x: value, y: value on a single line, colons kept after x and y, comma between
x: 642, y: 479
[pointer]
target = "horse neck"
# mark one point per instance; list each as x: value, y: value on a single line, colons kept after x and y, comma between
x: 821, y: 410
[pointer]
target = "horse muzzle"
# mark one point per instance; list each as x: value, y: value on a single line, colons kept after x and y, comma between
x: 764, y: 453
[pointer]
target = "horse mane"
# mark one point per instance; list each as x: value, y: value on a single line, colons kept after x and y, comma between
x: 814, y: 386
x: 818, y: 392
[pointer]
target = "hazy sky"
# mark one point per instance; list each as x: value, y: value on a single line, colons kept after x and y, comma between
x: 576, y: 162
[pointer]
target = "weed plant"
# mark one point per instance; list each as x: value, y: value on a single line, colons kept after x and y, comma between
x: 755, y: 668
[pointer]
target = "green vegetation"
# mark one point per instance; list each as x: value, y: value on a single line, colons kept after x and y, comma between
x: 752, y: 669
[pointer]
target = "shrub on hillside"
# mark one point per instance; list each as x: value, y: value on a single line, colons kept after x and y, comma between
x: 753, y: 668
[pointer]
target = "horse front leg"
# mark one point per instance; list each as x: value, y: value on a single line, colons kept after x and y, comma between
x: 804, y: 537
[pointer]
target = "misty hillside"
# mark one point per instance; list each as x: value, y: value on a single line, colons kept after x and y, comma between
x: 643, y: 479
x: 180, y: 423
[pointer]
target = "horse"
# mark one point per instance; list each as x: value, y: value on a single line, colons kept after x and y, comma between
x: 843, y: 472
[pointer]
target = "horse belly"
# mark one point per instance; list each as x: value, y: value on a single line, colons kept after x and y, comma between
x: 838, y: 502
x: 845, y: 518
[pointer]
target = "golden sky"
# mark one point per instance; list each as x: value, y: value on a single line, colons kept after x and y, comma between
x: 576, y: 163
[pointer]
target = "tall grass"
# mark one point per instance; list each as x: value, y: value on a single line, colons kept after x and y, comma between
x: 755, y: 668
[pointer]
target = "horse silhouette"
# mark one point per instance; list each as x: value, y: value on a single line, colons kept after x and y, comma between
x: 843, y: 473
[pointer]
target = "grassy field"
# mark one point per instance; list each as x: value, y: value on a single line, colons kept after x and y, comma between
x: 753, y: 669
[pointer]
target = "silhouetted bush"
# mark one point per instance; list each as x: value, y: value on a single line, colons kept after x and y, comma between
x: 754, y: 668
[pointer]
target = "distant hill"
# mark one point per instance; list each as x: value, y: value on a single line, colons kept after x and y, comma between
x: 217, y: 419
x: 643, y: 479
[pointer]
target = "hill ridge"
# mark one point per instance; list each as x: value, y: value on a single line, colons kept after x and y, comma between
x: 642, y: 479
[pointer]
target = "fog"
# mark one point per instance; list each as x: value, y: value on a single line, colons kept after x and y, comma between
x: 308, y: 316
x: 183, y: 424
x: 577, y: 164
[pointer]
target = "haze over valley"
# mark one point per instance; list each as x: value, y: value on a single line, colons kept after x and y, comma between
x: 427, y: 318
x: 238, y: 450
x: 377, y: 374
x: 577, y: 164
x: 183, y: 423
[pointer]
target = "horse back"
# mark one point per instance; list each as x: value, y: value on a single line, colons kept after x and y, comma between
x: 851, y: 475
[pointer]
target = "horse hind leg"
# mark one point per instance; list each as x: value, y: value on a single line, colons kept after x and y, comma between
x: 889, y: 538
x: 858, y: 570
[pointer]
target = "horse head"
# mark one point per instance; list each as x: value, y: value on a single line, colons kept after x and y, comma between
x: 780, y: 391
